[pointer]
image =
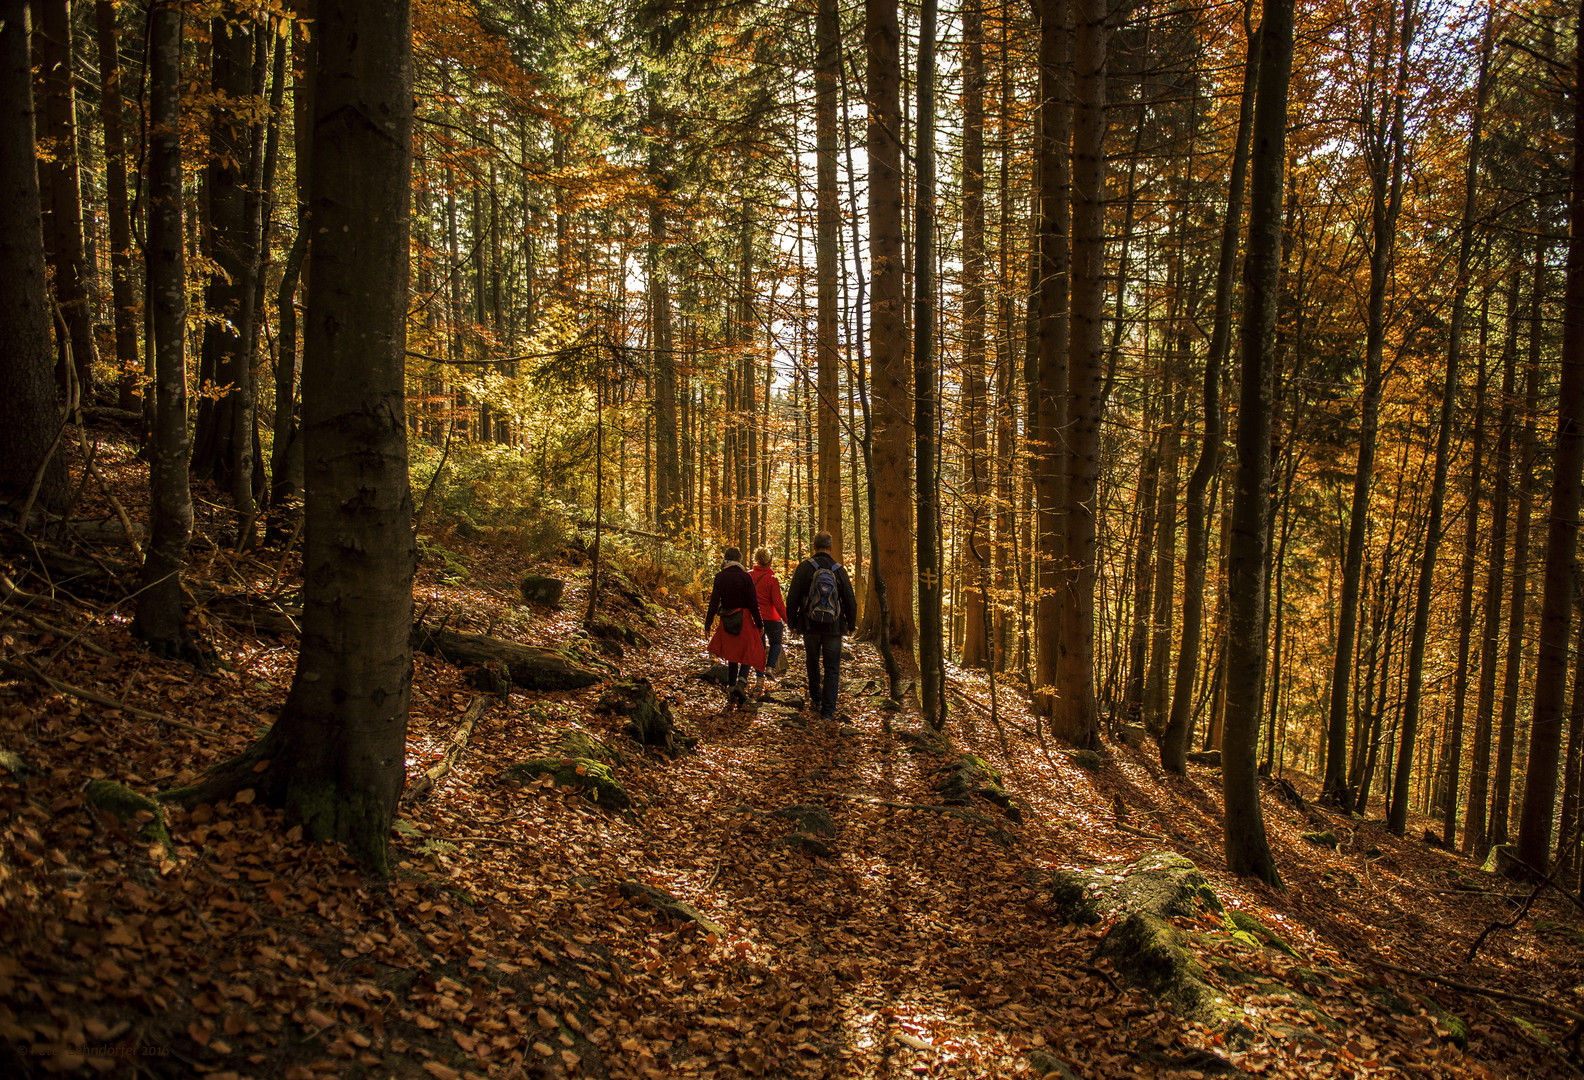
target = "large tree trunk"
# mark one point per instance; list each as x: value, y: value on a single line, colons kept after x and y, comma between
x: 1247, y: 850
x: 334, y: 759
x: 27, y: 378
x: 123, y: 295
x: 61, y: 185
x: 889, y: 382
x: 1174, y: 743
x: 1076, y: 718
x: 159, y: 620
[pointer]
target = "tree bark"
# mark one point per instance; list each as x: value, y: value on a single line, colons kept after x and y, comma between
x: 61, y: 187
x: 160, y: 620
x: 889, y: 382
x: 1174, y: 743
x: 975, y: 414
x: 1247, y: 849
x: 1386, y: 152
x: 1518, y: 605
x: 828, y: 500
x: 123, y: 295
x: 1077, y: 719
x: 29, y: 444
x: 334, y: 759
x: 1475, y: 825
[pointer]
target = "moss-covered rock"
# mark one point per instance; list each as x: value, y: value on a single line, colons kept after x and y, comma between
x: 1151, y: 953
x: 1241, y: 922
x: 649, y: 720
x: 1072, y: 897
x: 1452, y: 1029
x: 540, y: 589
x: 810, y: 845
x: 813, y: 820
x: 1326, y: 839
x: 1087, y: 760
x: 671, y: 906
x: 927, y: 741
x: 593, y: 778
x: 968, y: 777
x: 132, y: 810
x: 580, y: 744
x: 1211, y: 758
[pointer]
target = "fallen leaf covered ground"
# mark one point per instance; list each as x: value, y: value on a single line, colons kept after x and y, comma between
x: 917, y: 943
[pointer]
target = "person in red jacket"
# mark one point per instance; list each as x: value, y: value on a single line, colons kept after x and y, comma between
x: 772, y: 606
x: 733, y: 597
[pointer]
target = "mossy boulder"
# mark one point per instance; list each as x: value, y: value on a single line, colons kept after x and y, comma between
x: 1087, y: 760
x: 1073, y: 898
x: 812, y: 820
x: 648, y: 719
x: 613, y: 631
x: 1211, y: 758
x: 580, y: 744
x: 1247, y: 928
x: 671, y: 906
x: 1133, y: 734
x: 14, y: 764
x: 967, y: 777
x: 1326, y: 839
x: 132, y: 810
x: 1152, y: 954
x: 541, y: 589
x: 810, y: 845
x: 593, y: 778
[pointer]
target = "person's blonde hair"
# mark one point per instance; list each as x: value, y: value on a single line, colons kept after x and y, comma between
x: 762, y: 556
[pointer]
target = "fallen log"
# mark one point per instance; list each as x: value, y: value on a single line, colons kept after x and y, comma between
x: 421, y: 787
x: 528, y: 667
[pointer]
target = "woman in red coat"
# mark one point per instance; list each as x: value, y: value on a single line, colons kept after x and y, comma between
x: 734, y: 597
x: 771, y: 605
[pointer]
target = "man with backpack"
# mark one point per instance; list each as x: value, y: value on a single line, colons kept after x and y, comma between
x: 821, y: 605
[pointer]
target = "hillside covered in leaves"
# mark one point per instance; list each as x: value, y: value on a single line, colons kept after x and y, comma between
x: 760, y: 894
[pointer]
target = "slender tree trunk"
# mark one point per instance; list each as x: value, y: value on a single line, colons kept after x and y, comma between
x: 159, y: 620
x: 932, y: 671
x: 1049, y: 300
x: 975, y: 416
x: 1456, y: 740
x: 30, y: 444
x: 1397, y: 819
x: 1475, y: 826
x: 1518, y: 608
x: 123, y: 294
x: 828, y: 501
x: 1545, y: 732
x: 1247, y: 850
x: 1156, y: 697
x: 1174, y: 743
x: 60, y: 182
x: 1386, y: 154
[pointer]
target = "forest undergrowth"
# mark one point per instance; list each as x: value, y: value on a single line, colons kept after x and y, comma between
x: 515, y: 940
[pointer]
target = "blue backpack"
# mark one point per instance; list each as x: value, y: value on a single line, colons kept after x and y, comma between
x: 822, y: 606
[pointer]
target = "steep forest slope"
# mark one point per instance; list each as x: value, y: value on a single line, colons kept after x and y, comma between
x: 765, y: 896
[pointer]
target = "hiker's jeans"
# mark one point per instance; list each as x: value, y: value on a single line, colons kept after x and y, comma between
x: 823, y: 650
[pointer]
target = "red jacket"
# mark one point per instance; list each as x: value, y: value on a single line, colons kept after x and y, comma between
x: 771, y: 604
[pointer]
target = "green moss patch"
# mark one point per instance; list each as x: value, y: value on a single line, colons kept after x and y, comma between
x: 592, y: 777
x: 131, y: 810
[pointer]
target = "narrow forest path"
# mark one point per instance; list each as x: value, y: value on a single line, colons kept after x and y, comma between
x: 517, y: 937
